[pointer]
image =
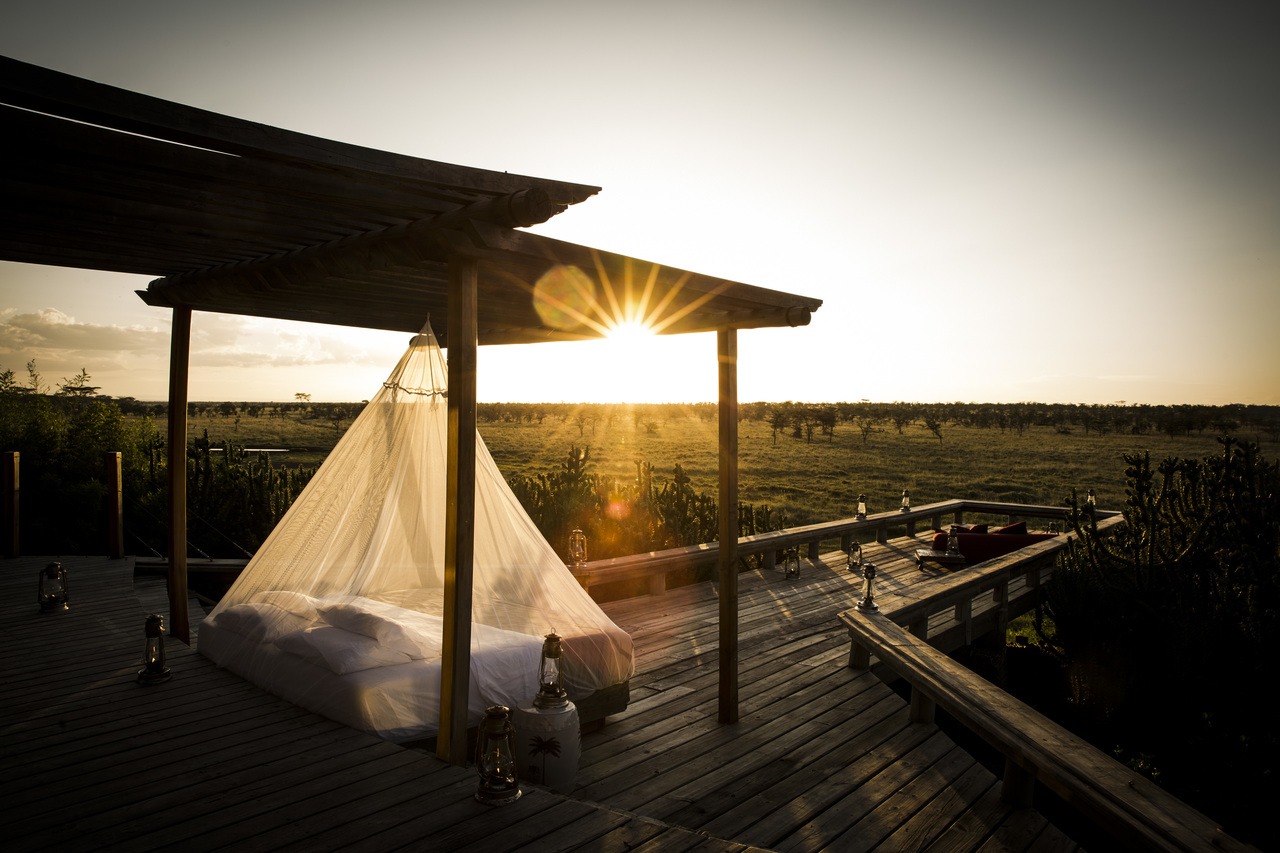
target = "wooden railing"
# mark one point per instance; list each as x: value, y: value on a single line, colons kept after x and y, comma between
x: 979, y: 600
x: 1129, y: 809
x: 655, y: 565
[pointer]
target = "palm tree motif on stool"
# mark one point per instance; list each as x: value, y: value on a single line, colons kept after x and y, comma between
x: 544, y: 747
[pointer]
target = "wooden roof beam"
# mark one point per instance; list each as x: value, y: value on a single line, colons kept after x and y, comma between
x: 32, y: 87
x: 368, y: 251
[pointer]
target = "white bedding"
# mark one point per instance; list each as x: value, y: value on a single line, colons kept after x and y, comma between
x: 368, y: 664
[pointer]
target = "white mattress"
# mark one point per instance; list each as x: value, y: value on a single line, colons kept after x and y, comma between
x: 378, y: 668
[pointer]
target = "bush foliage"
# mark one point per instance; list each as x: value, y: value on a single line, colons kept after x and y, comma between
x: 1171, y: 626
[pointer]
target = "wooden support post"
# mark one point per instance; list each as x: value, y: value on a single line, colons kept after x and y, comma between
x: 920, y: 627
x: 859, y: 654
x: 882, y: 534
x: 964, y: 615
x: 1000, y: 597
x: 1018, y: 787
x: 813, y: 552
x: 846, y: 542
x: 115, y: 505
x: 727, y: 356
x: 658, y: 583
x: 179, y: 359
x: 922, y: 707
x: 12, y: 493
x: 911, y: 527
x: 460, y: 515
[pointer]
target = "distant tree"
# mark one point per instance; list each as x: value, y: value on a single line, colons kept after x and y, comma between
x: 826, y: 417
x: 77, y: 386
x: 302, y: 397
x: 35, y: 381
x: 777, y: 421
x: 867, y: 426
x: 934, y: 424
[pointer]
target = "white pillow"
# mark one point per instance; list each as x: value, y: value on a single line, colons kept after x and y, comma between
x: 360, y: 618
x: 295, y: 602
x: 339, y: 651
x: 264, y: 623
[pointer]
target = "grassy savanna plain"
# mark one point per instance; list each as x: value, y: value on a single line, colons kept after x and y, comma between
x: 810, y: 479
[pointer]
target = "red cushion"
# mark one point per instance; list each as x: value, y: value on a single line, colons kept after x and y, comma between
x: 1019, y: 528
x: 978, y: 528
x: 939, y: 541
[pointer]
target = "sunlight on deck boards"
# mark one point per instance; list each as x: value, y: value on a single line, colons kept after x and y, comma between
x: 823, y: 757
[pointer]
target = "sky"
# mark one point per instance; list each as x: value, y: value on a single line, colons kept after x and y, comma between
x: 996, y: 200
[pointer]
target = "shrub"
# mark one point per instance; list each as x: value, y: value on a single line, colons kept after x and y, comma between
x: 1171, y: 624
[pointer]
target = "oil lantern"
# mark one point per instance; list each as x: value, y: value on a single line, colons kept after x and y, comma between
x: 551, y: 693
x: 577, y: 548
x: 791, y: 562
x: 54, y: 588
x: 496, y: 758
x: 868, y: 602
x: 906, y: 501
x: 862, y: 507
x: 153, y: 669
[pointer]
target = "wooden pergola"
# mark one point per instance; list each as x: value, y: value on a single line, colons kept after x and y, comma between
x: 235, y: 217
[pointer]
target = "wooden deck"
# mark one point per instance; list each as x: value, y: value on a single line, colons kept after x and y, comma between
x: 823, y: 757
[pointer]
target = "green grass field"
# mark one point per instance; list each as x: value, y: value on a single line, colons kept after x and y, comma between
x: 811, y: 481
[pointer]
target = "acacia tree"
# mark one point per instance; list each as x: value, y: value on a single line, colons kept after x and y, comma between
x: 77, y: 386
x: 934, y: 424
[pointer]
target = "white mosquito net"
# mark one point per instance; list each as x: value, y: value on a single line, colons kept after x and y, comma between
x: 347, y: 592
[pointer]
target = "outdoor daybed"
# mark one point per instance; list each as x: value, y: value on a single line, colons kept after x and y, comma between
x: 375, y: 666
x: 979, y: 543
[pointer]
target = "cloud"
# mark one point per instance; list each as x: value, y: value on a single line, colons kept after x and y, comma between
x: 226, y: 341
x: 133, y: 360
x: 54, y: 337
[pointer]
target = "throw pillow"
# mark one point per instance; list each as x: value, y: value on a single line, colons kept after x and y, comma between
x: 1019, y: 528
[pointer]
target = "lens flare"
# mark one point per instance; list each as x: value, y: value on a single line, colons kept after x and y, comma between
x: 564, y: 297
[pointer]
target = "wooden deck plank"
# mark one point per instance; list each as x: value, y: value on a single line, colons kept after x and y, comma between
x: 853, y: 804
x: 951, y: 803
x: 729, y: 811
x: 551, y: 832
x: 740, y: 756
x: 908, y: 801
x: 115, y: 803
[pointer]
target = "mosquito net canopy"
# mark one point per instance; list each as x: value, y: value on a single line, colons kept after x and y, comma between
x: 340, y: 609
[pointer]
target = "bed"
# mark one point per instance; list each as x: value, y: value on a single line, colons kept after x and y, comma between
x: 373, y: 663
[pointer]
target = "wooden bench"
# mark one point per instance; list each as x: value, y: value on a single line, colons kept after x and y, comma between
x: 1129, y: 808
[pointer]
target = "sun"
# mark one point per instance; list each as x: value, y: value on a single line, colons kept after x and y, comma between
x: 629, y: 333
